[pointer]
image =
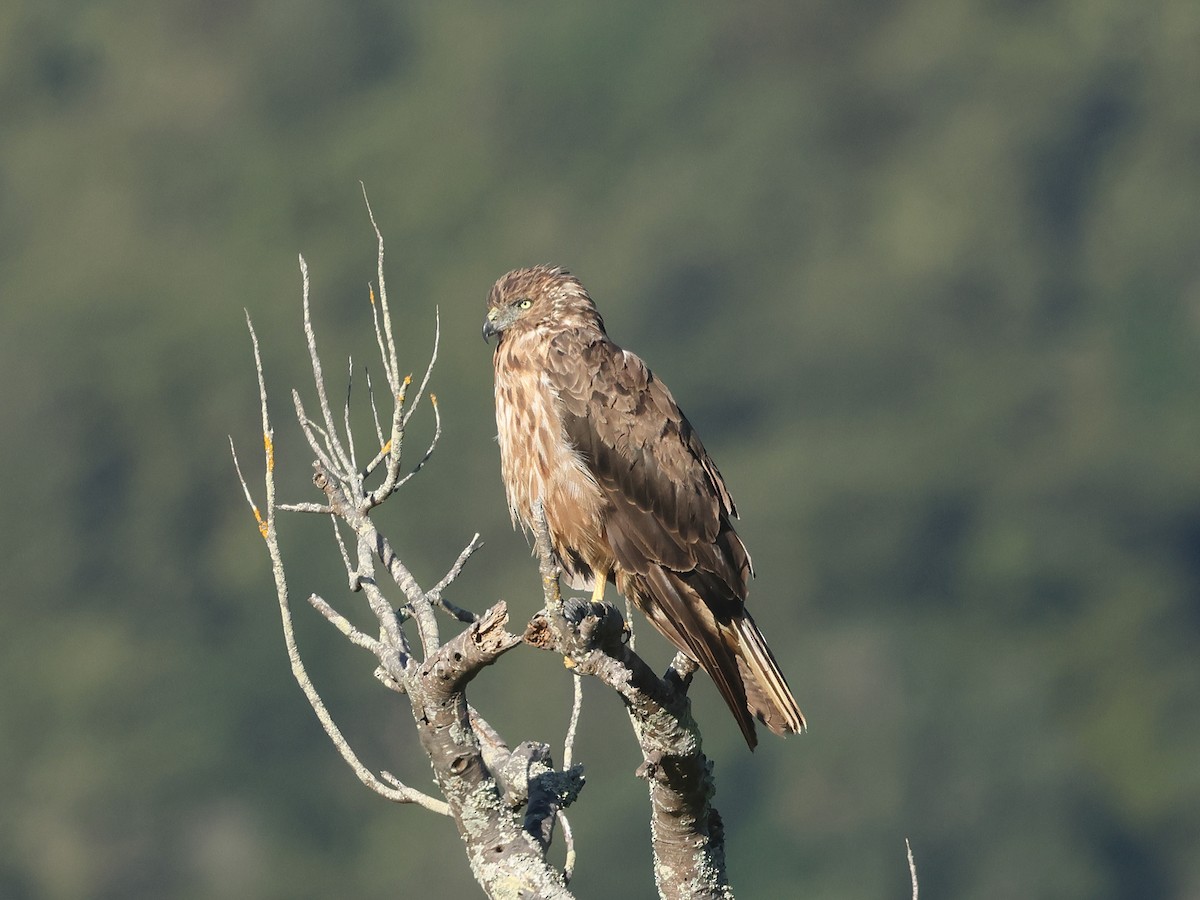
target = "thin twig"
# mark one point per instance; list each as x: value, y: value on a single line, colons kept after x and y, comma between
x: 437, y: 339
x: 912, y: 869
x: 350, y: 573
x: 388, y: 623
x: 569, y: 841
x: 346, y: 414
x: 393, y: 449
x: 403, y: 578
x: 568, y: 761
x: 332, y: 441
x: 311, y: 429
x: 385, y: 449
x: 262, y: 525
x: 437, y: 433
x: 390, y: 362
x: 322, y: 508
x: 433, y: 804
x: 374, y: 414
x: 344, y: 625
x: 379, y: 339
x: 434, y: 594
x: 573, y: 725
x: 398, y: 793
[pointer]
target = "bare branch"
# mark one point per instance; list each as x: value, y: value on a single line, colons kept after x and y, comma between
x: 385, y: 449
x: 321, y: 508
x: 351, y: 574
x: 299, y: 671
x: 437, y: 434
x: 311, y: 429
x: 495, y: 753
x: 418, y: 602
x: 686, y: 830
x: 374, y: 417
x: 342, y: 624
x: 392, y: 451
x: 434, y: 594
x: 384, y: 611
x: 437, y: 338
x: 262, y: 525
x: 388, y: 373
x: 414, y: 796
x: 573, y: 725
x: 333, y: 444
x: 505, y: 803
x: 391, y: 366
x: 569, y: 841
x: 912, y: 869
x: 392, y: 448
x: 505, y: 858
x: 346, y: 414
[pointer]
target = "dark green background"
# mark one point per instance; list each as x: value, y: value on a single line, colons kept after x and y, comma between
x: 925, y: 275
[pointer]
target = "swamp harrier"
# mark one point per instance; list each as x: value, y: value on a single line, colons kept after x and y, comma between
x: 628, y: 491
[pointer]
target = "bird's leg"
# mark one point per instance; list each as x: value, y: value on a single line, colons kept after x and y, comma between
x: 599, y: 581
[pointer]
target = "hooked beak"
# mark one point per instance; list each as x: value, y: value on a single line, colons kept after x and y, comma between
x: 489, y: 330
x: 491, y: 327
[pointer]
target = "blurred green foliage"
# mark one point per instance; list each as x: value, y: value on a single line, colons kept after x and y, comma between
x: 924, y: 275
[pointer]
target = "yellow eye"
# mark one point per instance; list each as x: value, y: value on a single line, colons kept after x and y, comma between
x: 525, y: 304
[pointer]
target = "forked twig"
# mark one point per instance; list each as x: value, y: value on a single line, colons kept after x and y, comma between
x: 398, y: 792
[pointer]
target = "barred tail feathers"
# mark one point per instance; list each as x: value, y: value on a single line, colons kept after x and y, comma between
x: 767, y: 693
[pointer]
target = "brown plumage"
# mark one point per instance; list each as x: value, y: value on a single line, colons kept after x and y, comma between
x: 629, y: 493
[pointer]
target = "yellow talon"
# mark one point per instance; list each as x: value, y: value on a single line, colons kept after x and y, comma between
x: 568, y: 663
x: 598, y: 590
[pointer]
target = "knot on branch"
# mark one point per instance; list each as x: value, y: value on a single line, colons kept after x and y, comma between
x: 329, y: 484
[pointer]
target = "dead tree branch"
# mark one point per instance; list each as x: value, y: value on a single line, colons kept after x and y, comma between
x: 505, y: 802
x: 686, y: 830
x: 506, y: 847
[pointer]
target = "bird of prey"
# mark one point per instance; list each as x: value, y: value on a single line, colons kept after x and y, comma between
x: 628, y: 492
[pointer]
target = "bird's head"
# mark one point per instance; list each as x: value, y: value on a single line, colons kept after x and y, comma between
x: 542, y: 296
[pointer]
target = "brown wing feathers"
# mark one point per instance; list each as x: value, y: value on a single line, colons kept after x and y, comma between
x: 668, y: 525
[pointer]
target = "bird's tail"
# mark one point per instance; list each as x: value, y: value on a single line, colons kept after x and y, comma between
x: 768, y: 696
x: 733, y: 652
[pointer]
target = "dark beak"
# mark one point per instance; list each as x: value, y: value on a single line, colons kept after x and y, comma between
x: 489, y: 330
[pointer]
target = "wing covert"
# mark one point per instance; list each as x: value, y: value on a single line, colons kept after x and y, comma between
x: 669, y: 504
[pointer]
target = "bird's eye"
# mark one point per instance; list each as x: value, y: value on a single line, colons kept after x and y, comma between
x: 525, y: 304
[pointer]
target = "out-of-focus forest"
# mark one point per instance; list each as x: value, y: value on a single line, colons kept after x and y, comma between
x: 925, y: 275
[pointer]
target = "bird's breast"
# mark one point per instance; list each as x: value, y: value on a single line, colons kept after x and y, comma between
x: 538, y: 462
